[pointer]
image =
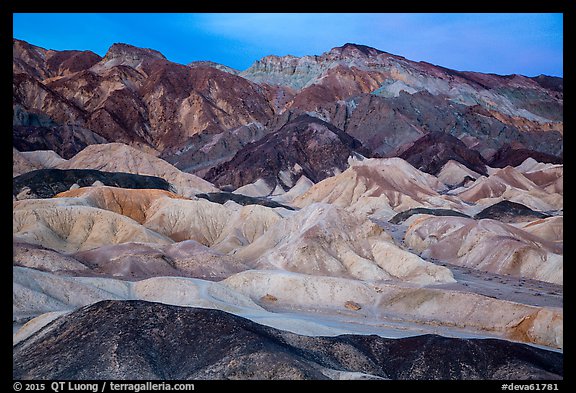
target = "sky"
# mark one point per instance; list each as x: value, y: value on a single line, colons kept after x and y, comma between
x: 519, y: 43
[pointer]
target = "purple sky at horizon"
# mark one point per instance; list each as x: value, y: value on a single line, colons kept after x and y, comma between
x: 527, y: 44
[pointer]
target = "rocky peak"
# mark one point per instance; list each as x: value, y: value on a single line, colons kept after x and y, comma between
x: 207, y: 63
x: 129, y: 52
x: 350, y: 50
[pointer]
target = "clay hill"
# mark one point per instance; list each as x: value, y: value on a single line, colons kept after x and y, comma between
x: 346, y: 215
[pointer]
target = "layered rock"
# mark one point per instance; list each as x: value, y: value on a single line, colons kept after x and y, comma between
x: 135, y: 96
x: 43, y: 64
x: 508, y: 156
x: 127, y: 202
x: 21, y: 164
x: 220, y: 227
x: 401, y: 305
x: 388, y: 125
x: 137, y: 261
x: 33, y: 131
x: 435, y: 149
x: 507, y: 211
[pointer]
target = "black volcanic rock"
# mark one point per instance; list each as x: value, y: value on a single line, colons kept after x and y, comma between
x: 431, y: 152
x: 508, y: 211
x: 507, y: 156
x: 403, y: 216
x: 223, y: 197
x: 143, y: 340
x: 45, y: 183
x: 307, y: 143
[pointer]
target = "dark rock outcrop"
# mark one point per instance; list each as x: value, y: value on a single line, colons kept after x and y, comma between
x: 45, y: 183
x: 223, y: 197
x: 508, y: 156
x: 304, y: 146
x: 509, y: 212
x: 403, y: 216
x: 142, y: 340
x: 431, y: 152
x: 36, y: 131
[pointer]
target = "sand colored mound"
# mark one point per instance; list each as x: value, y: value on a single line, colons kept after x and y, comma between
x: 551, y: 178
x: 131, y: 203
x: 40, y: 258
x: 454, y: 173
x: 509, y: 184
x: 391, y: 303
x: 550, y: 229
x: 44, y: 158
x: 118, y: 157
x: 132, y: 261
x: 257, y: 189
x: 139, y: 340
x: 323, y: 239
x: 74, y: 228
x: 379, y: 186
x: 21, y: 164
x: 140, y: 261
x: 487, y: 245
x: 208, y: 223
x: 302, y: 185
x: 531, y: 165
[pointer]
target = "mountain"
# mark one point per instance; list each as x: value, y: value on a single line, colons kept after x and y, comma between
x: 136, y: 96
x: 304, y: 146
x: 353, y: 69
x: 380, y: 187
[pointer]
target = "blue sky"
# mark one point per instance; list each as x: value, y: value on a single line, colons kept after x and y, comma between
x: 527, y: 44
